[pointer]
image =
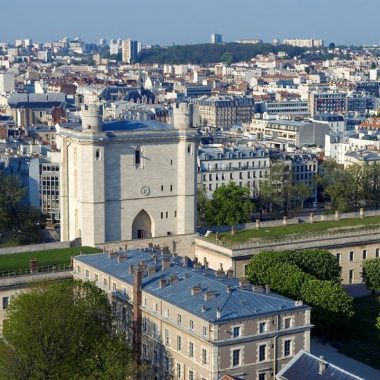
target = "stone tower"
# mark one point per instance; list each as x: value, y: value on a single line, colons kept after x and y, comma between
x: 182, y: 115
x: 91, y: 120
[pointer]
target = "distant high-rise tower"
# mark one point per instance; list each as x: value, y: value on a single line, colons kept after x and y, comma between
x: 216, y: 38
x: 130, y: 50
x: 102, y: 42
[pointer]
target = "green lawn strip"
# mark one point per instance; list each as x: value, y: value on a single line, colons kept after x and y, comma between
x: 279, y: 232
x: 20, y: 261
x: 362, y: 339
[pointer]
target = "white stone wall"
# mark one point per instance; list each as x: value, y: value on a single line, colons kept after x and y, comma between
x: 102, y: 190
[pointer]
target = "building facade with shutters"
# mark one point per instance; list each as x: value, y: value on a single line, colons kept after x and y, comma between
x: 196, y: 323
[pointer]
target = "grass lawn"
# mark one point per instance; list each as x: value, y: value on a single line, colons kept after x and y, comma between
x: 299, y: 229
x: 20, y: 261
x: 362, y: 340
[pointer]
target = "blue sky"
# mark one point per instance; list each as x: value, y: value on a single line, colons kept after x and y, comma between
x: 191, y: 21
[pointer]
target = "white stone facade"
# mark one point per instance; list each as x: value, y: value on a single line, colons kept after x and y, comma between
x: 131, y: 182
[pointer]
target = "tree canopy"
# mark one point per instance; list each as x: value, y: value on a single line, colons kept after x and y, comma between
x: 63, y: 330
x: 212, y: 53
x: 278, y: 192
x: 350, y: 188
x: 331, y: 305
x: 229, y: 205
x: 371, y: 274
x: 19, y: 223
x: 310, y: 275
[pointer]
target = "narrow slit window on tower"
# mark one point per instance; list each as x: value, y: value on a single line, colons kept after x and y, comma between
x: 98, y: 155
x: 137, y: 157
x: 189, y: 149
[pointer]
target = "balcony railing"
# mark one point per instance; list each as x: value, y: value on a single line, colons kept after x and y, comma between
x: 39, y: 270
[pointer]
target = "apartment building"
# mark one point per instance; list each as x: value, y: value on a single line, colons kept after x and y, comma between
x: 327, y: 102
x: 292, y: 107
x: 305, y: 43
x: 289, y: 132
x: 223, y: 112
x: 304, y: 168
x: 39, y: 175
x: 196, y: 323
x: 244, y: 165
x: 130, y: 50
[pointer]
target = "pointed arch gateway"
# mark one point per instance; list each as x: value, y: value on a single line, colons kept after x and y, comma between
x: 142, y: 226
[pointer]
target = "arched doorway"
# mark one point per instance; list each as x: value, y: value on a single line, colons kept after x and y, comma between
x: 142, y: 226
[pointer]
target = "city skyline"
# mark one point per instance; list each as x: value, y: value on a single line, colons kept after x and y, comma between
x: 169, y: 22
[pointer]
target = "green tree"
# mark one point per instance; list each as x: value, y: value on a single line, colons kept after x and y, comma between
x: 227, y: 58
x: 301, y: 192
x: 308, y: 275
x: 64, y: 330
x: 319, y: 263
x: 230, y: 205
x: 203, y: 203
x: 371, y: 274
x: 378, y: 322
x: 371, y: 185
x: 278, y: 191
x: 332, y: 307
x: 19, y: 222
x: 287, y: 279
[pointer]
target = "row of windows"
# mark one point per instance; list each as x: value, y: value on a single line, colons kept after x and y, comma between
x: 222, y: 176
x: 166, y: 214
x: 244, y: 165
x: 301, y: 168
x: 364, y: 255
x: 252, y: 184
x: 191, y: 350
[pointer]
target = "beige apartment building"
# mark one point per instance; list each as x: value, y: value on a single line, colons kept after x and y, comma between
x: 223, y: 112
x: 196, y: 323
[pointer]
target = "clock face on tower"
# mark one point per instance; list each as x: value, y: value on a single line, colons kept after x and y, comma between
x: 145, y: 191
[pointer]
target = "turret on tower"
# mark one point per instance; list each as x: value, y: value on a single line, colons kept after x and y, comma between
x: 91, y: 119
x: 182, y: 115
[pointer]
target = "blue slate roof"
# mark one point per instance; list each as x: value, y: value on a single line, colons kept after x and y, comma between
x: 306, y: 366
x: 229, y: 298
x: 135, y: 125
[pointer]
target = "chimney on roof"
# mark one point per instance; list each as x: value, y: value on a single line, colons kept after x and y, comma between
x: 174, y: 279
x: 220, y: 272
x: 218, y: 313
x: 244, y: 283
x: 136, y: 310
x: 196, y: 289
x: 322, y: 366
x: 162, y: 283
x: 122, y: 257
x: 186, y: 262
x: 165, y: 263
x: 267, y: 289
x: 209, y: 295
x: 131, y: 269
x: 205, y: 263
x: 151, y: 270
x: 230, y: 274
